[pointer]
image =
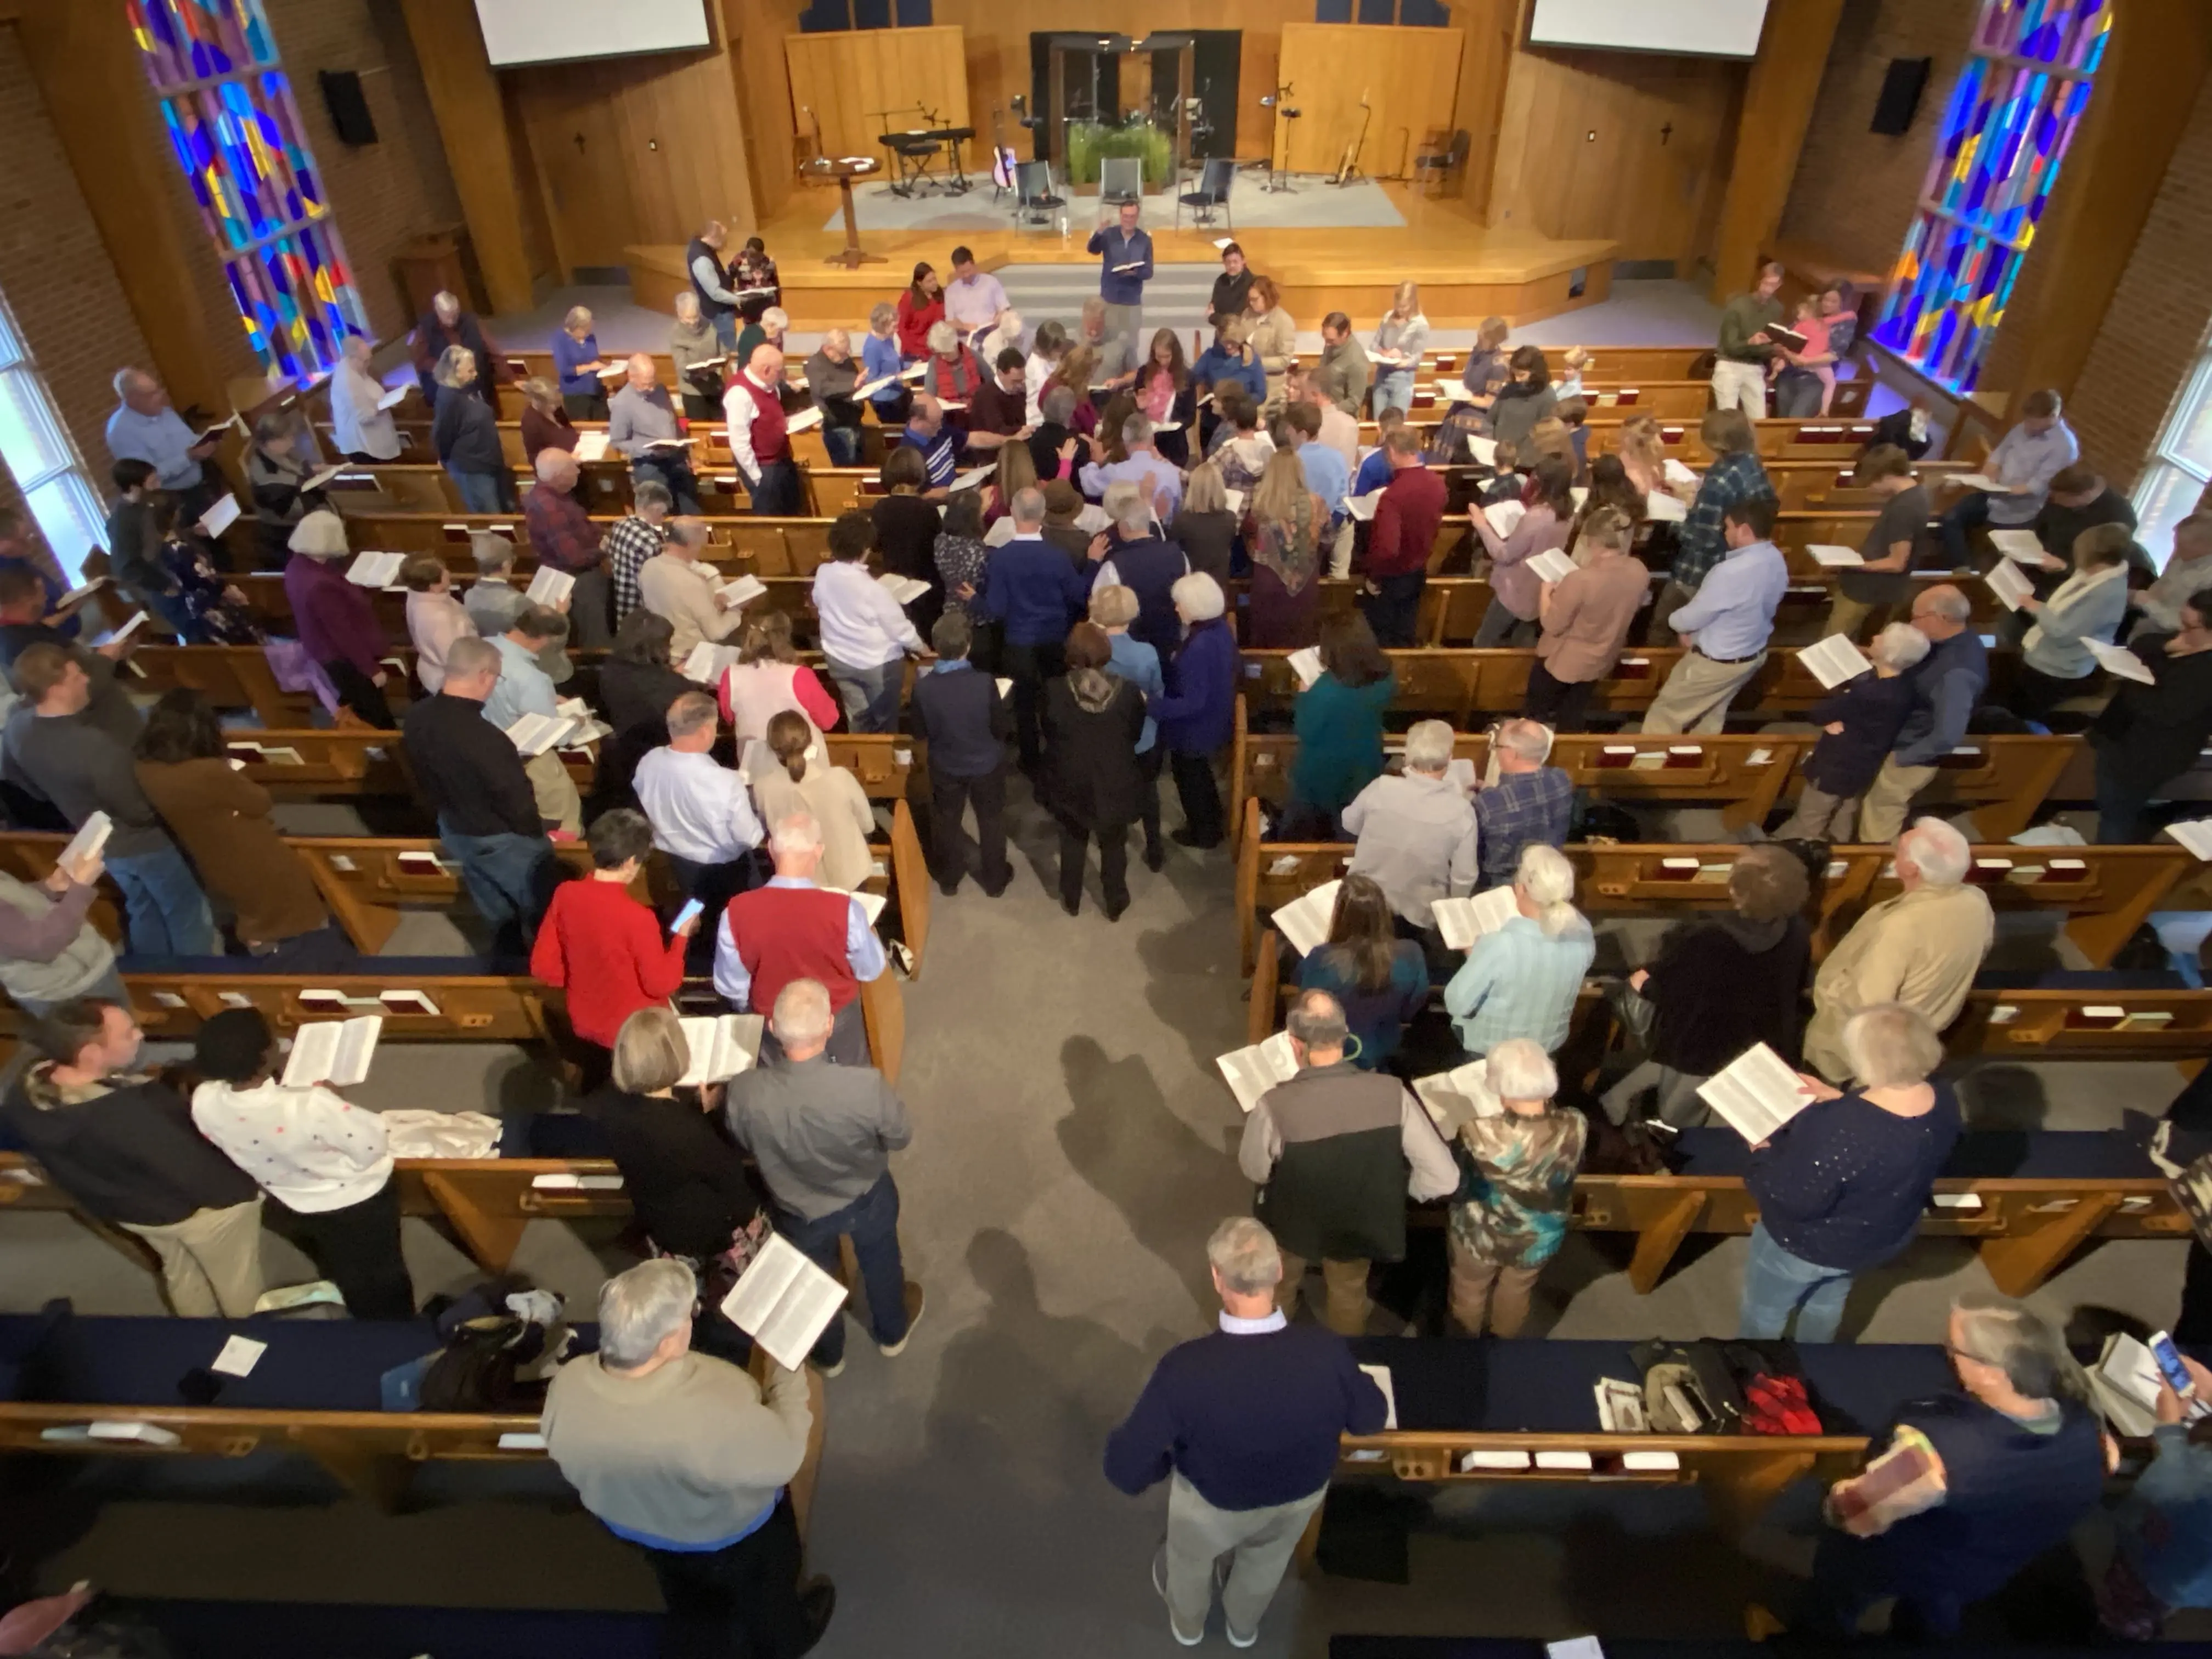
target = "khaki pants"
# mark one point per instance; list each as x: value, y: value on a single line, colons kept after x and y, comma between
x: 1881, y: 817
x: 1480, y: 1288
x: 558, y: 803
x: 1346, y: 1311
x: 1848, y: 615
x: 1741, y: 385
x: 1258, y: 1543
x: 1339, y: 549
x: 1823, y: 1044
x: 1697, y: 693
x: 210, y: 1261
x: 1820, y: 816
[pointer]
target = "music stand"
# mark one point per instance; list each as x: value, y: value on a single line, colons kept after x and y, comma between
x: 1279, y: 144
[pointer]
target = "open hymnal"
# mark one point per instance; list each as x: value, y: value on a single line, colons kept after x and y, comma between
x: 806, y: 420
x: 872, y: 904
x: 77, y: 596
x: 611, y: 371
x: 2119, y: 661
x: 590, y: 446
x: 135, y: 621
x: 1305, y: 921
x: 220, y: 517
x: 549, y: 587
x: 394, y: 398
x: 1978, y: 481
x: 1834, y: 660
x: 584, y: 726
x: 1784, y: 336
x: 783, y: 1302
x: 872, y: 387
x: 1485, y: 450
x: 1363, y: 506
x: 333, y: 1051
x: 1505, y: 517
x: 1453, y: 1096
x: 914, y: 370
x: 1661, y: 508
x: 1829, y: 556
x: 534, y: 734
x: 721, y: 1047
x: 740, y: 589
x: 89, y: 841
x: 709, y: 662
x: 318, y: 480
x: 1252, y: 1072
x: 1306, y: 665
x: 905, y: 589
x: 2010, y: 586
x: 2022, y: 544
x: 2124, y: 1385
x: 1552, y: 566
x: 1234, y: 500
x: 2196, y: 834
x: 1463, y: 920
x: 375, y: 569
x: 1676, y: 473
x: 1381, y: 1374
x: 1756, y: 1092
x: 969, y: 479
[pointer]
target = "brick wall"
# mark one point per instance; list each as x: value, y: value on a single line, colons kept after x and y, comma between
x: 385, y: 193
x: 1854, y: 190
x: 2158, y: 318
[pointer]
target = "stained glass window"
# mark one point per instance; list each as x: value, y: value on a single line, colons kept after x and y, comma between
x: 226, y: 104
x: 2017, y: 106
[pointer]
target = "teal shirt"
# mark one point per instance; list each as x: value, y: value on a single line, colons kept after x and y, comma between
x: 1340, y: 731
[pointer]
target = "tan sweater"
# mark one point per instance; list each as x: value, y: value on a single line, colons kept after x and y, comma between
x: 683, y: 590
x: 1922, y: 949
x: 1273, y: 340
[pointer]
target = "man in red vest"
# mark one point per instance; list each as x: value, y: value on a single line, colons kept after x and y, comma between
x: 752, y: 410
x: 793, y: 928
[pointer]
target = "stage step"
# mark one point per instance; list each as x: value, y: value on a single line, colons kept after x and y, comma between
x: 1175, y: 298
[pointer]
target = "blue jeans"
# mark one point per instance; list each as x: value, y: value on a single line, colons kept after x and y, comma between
x: 1393, y: 389
x: 480, y: 491
x: 1970, y: 512
x: 871, y: 696
x: 168, y: 912
x: 871, y: 1221
x: 726, y: 330
x: 1777, y: 1284
x: 843, y: 443
x: 509, y: 877
x: 108, y: 987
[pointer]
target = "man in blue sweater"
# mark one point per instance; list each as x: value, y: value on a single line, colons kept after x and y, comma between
x: 1243, y: 1424
x: 959, y: 714
x: 1029, y: 586
x: 1947, y: 687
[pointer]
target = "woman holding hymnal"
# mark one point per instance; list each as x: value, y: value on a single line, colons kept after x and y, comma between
x: 1841, y: 1179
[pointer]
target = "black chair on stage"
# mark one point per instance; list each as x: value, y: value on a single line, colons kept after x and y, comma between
x: 1212, y: 192
x: 1034, y: 200
x: 1442, y: 165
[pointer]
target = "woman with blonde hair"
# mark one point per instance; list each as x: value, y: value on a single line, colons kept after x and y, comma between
x: 801, y: 779
x: 576, y: 366
x: 1078, y: 367
x: 768, y: 679
x: 1399, y: 339
x: 1521, y: 979
x: 1204, y: 527
x: 1517, y: 1179
x: 1016, y: 469
x: 1275, y: 337
x: 1283, y: 521
x: 1643, y: 454
x: 545, y: 423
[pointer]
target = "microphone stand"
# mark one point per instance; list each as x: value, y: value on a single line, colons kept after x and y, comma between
x: 1278, y: 176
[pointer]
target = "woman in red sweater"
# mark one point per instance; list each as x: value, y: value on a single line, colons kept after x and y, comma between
x: 921, y: 304
x: 603, y: 947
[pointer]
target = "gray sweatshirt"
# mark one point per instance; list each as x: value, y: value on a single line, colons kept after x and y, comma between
x: 82, y: 770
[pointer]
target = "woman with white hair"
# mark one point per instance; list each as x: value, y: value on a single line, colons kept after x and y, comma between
x: 953, y: 375
x: 1198, y: 710
x: 1521, y: 980
x: 364, y: 434
x: 1842, y: 1185
x: 1517, y: 1177
x: 697, y: 357
x: 336, y: 622
x: 466, y: 433
x: 576, y: 366
x: 278, y: 463
x: 1859, y: 721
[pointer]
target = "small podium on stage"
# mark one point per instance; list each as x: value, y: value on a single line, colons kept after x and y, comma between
x: 844, y: 169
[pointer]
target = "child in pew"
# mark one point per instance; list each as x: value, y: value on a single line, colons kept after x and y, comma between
x: 1859, y: 723
x: 1506, y: 480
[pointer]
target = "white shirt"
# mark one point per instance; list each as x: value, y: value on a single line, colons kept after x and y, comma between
x: 970, y: 303
x: 862, y: 626
x: 1035, y: 373
x: 1236, y: 1327
x: 312, y: 1150
x: 699, y: 811
x: 358, y: 426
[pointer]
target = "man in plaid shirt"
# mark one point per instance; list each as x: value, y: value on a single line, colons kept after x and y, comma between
x: 634, y: 539
x: 1735, y: 474
x: 1530, y: 802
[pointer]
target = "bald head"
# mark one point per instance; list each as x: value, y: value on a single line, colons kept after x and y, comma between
x: 642, y: 374
x: 1941, y: 612
x: 557, y: 469
x: 1027, y: 509
x: 837, y: 345
x: 928, y: 413
x: 766, y: 364
x: 447, y: 305
x: 140, y: 391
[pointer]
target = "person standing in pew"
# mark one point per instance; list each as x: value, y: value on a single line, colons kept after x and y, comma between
x: 759, y: 441
x: 435, y: 617
x: 768, y: 679
x: 221, y: 817
x: 472, y: 777
x: 1518, y: 1178
x: 2149, y: 735
x: 49, y: 954
x: 447, y: 327
x: 1725, y: 628
x: 2188, y: 573
x: 636, y: 686
x: 866, y: 635
x: 2008, y: 1465
x: 22, y: 610
x: 687, y: 1457
x: 1335, y: 1152
x: 576, y: 366
x: 601, y: 946
x: 1339, y: 722
x: 701, y: 814
x: 697, y: 357
x: 323, y: 1161
x: 1382, y: 981
x: 823, y: 1135
x: 642, y: 424
x: 56, y: 752
x: 1701, y: 541
x: 1416, y: 831
x: 121, y: 1143
x: 2162, y: 1561
x: 965, y: 721
x: 1882, y: 580
x: 1521, y: 980
x: 524, y: 689
x: 493, y: 601
x: 1921, y: 948
x: 678, y: 584
x: 1530, y: 804
x: 1585, y: 619
x: 2057, y: 657
x: 465, y: 433
x: 790, y: 772
x: 1031, y: 589
x: 1407, y: 519
x: 832, y: 377
x: 336, y: 620
x: 546, y: 425
x: 1859, y: 721
x: 565, y: 538
x: 1244, y: 1425
x: 1137, y: 556
x: 633, y: 538
x: 364, y: 433
x: 1946, y: 688
x: 795, y: 928
x: 1841, y: 1187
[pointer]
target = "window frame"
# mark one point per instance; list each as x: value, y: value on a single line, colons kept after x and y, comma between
x: 60, y: 499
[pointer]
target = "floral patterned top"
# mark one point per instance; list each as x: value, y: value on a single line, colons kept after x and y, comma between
x: 1516, y: 1174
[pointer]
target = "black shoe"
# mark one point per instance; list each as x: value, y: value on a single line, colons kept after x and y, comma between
x: 1114, y: 911
x: 1185, y: 837
x: 1000, y: 892
x: 816, y: 1602
x: 1156, y: 856
x: 1073, y: 906
x: 948, y: 888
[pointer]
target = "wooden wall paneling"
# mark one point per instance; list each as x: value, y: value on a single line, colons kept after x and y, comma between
x: 530, y: 190
x: 565, y: 110
x: 756, y: 85
x: 1489, y: 31
x: 847, y: 78
x: 465, y: 96
x: 1410, y: 77
x: 1780, y: 92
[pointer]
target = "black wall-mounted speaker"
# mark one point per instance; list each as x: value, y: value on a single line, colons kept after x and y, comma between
x: 1900, y: 94
x: 348, y: 109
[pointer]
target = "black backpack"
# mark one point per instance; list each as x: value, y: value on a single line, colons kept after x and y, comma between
x: 476, y: 1371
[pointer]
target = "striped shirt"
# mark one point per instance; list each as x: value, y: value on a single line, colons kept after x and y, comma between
x: 1520, y: 982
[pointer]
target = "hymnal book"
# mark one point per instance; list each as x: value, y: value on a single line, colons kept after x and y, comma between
x: 1575, y: 1647
x: 1452, y: 1097
x: 2120, y: 662
x: 590, y: 446
x: 137, y: 621
x: 1234, y: 499
x: 1893, y: 1481
x: 669, y: 443
x: 333, y: 1051
x: 709, y: 662
x: 1756, y: 1093
x: 1306, y: 665
x: 914, y: 370
x: 408, y: 1002
x: 534, y: 734
x: 1661, y: 508
x: 1134, y: 264
x: 1006, y: 687
x: 1834, y: 660
x: 1580, y: 495
x: 1362, y: 507
x: 1252, y: 1072
x: 972, y: 478
x: 1676, y: 473
x: 1981, y: 481
x: 806, y: 420
x: 1305, y: 921
x: 1381, y: 1376
x: 238, y: 1357
x: 2125, y: 1385
x: 584, y: 726
x: 1829, y: 556
x: 783, y: 1302
x: 394, y: 398
x: 611, y: 371
x: 220, y: 517
x: 2196, y: 834
x: 1457, y: 392
x: 1459, y: 772
x: 1463, y: 920
x: 1485, y: 450
x: 721, y: 1047
x: 549, y: 587
x: 905, y: 589
x: 375, y: 569
x: 2021, y: 544
x: 739, y: 590
x: 2010, y: 586
x: 77, y: 596
x: 1552, y: 566
x: 871, y: 388
x: 91, y: 840
x: 1493, y: 1460
x: 320, y: 478
x: 872, y: 904
x: 1786, y: 337
x: 1505, y: 517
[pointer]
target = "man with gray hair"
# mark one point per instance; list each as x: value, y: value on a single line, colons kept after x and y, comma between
x: 687, y: 1457
x: 144, y: 427
x: 1243, y: 1424
x: 1529, y: 805
x: 1335, y: 1152
x: 1946, y: 688
x: 447, y: 324
x: 633, y: 539
x: 1140, y: 557
x: 823, y: 1135
x: 1146, y: 467
x: 832, y: 377
x: 641, y: 424
x: 678, y: 583
x: 1921, y: 948
x: 760, y: 442
x: 1416, y: 830
x: 700, y: 812
x: 793, y: 928
x: 565, y: 538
